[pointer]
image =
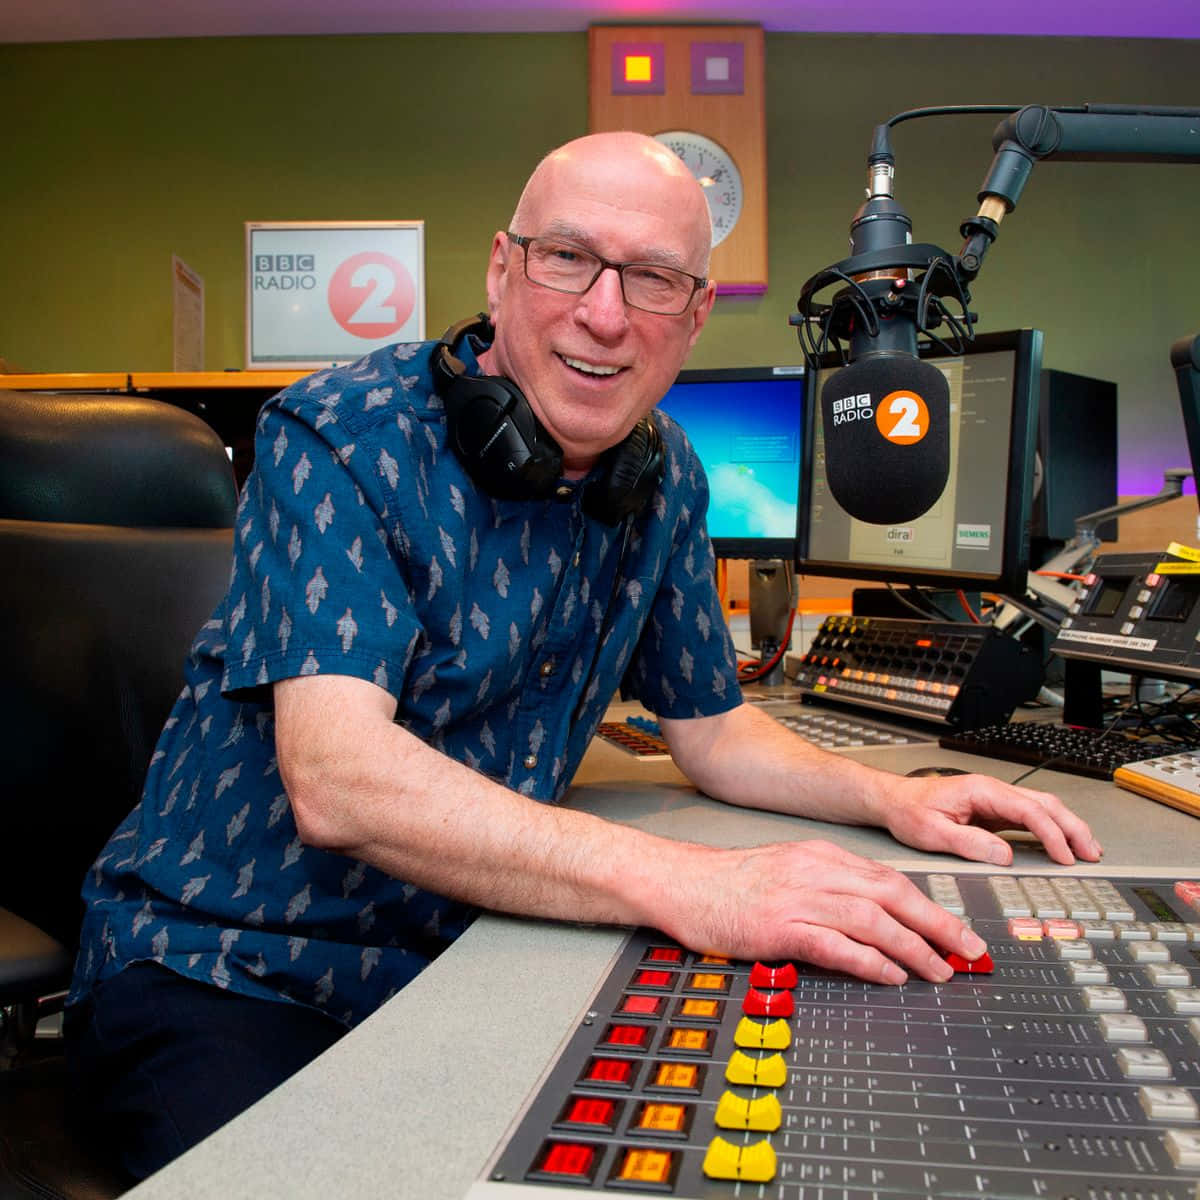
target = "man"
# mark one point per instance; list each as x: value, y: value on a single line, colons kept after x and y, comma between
x: 406, y: 672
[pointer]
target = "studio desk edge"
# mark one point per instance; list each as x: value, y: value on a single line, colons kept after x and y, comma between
x: 413, y: 1102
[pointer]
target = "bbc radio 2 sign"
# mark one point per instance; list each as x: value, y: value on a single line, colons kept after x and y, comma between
x: 325, y: 292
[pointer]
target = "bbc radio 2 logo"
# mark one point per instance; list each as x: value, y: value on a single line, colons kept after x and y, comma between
x: 852, y: 408
x: 284, y: 272
x: 370, y: 294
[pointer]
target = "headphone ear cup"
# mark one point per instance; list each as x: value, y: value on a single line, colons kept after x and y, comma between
x: 631, y: 474
x: 499, y: 440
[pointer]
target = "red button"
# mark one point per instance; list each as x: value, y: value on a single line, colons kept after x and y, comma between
x: 568, y: 1158
x: 773, y: 977
x: 648, y: 978
x: 628, y: 1035
x: 586, y: 1110
x: 610, y: 1070
x: 768, y: 1004
x: 664, y: 954
x: 642, y: 1006
x: 983, y: 965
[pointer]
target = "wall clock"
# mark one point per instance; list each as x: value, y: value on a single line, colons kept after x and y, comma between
x: 717, y: 173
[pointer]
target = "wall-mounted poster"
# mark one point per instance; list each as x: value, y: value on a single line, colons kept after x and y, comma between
x: 320, y: 293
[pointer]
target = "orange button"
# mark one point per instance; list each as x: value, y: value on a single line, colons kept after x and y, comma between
x: 646, y: 1166
x: 703, y: 981
x: 665, y: 1118
x: 684, y: 1076
x: 696, y: 1041
x: 708, y: 1010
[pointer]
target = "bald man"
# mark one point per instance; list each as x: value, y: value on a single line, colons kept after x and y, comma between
x: 425, y: 622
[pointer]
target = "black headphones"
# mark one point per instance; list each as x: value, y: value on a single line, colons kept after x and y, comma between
x: 508, y: 452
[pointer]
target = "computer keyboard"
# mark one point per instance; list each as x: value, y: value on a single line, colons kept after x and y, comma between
x: 1173, y: 779
x: 1090, y: 752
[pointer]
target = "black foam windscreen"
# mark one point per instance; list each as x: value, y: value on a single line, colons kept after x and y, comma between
x: 886, y: 421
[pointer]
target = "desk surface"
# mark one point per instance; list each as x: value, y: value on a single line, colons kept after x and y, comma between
x: 413, y: 1102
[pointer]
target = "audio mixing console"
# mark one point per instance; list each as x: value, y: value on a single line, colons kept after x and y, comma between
x: 1066, y: 1064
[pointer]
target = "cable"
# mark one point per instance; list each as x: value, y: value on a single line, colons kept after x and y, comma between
x: 759, y: 668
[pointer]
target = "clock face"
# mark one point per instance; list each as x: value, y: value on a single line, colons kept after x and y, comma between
x: 717, y: 173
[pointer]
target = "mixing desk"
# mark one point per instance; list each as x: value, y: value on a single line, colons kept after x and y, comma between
x: 1066, y: 1064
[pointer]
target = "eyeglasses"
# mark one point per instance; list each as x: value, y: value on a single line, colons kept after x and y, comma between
x: 564, y: 267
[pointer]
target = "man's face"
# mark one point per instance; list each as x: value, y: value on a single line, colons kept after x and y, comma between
x: 589, y: 365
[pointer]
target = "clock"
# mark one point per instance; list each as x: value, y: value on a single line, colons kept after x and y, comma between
x: 716, y: 172
x: 698, y: 89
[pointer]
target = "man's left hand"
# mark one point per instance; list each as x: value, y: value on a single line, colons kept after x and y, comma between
x: 957, y: 815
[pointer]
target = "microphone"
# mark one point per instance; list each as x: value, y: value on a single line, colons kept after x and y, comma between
x: 886, y: 414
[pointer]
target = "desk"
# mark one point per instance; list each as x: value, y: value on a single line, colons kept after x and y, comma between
x: 412, y: 1103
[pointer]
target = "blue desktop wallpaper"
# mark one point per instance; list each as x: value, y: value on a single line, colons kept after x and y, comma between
x: 747, y: 433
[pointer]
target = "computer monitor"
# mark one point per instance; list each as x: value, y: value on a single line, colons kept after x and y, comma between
x: 976, y: 537
x: 747, y: 426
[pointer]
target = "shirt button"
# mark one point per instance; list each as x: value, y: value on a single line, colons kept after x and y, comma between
x: 575, y: 561
x: 530, y: 761
x: 547, y: 668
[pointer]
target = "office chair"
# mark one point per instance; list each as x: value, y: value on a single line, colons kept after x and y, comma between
x: 116, y: 517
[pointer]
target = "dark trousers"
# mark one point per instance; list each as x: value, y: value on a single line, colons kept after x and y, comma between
x: 160, y: 1061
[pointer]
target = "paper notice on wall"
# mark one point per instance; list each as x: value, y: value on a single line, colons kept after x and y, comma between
x: 187, y: 295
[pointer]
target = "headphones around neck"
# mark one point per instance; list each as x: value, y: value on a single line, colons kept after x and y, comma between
x: 509, y: 453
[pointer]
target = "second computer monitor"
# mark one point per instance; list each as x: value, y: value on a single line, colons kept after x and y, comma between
x: 747, y: 427
x: 976, y: 536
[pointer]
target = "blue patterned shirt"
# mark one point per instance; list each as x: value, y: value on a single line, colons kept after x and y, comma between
x: 502, y: 629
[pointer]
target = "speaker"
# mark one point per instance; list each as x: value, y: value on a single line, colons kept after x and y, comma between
x: 1077, y: 454
x: 509, y: 453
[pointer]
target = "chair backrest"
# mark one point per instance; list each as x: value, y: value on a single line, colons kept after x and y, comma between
x: 116, y: 517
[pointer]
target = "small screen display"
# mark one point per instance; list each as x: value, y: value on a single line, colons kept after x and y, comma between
x: 747, y: 428
x: 1175, y: 600
x: 1108, y: 596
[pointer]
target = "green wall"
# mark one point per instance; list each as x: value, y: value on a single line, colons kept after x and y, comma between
x: 119, y: 154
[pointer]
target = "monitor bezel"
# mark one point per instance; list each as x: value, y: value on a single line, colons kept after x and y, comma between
x: 754, y: 548
x: 1026, y: 345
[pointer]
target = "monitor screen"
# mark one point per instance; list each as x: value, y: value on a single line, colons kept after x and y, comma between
x: 747, y: 426
x: 976, y: 536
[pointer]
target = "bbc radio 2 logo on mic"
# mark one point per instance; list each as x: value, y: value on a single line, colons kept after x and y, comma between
x: 902, y: 416
x: 852, y: 408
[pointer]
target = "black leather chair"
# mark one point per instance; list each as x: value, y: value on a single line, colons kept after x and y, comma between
x: 116, y: 517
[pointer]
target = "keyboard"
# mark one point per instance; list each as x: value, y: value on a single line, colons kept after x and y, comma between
x: 1173, y: 779
x: 641, y: 736
x: 1057, y: 747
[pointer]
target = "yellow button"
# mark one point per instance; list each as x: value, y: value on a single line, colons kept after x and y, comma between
x: 762, y: 1035
x: 709, y: 982
x: 714, y: 960
x: 645, y: 1166
x: 763, y: 1115
x: 753, y: 1164
x: 758, y: 1072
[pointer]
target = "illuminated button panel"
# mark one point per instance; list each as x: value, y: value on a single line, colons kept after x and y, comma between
x: 1066, y: 1064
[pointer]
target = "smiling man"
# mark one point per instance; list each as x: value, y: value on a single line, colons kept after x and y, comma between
x: 418, y: 642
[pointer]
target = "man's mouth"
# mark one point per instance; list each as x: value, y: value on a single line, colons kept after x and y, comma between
x: 587, y: 368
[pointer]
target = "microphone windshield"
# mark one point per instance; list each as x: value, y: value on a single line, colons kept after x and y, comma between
x: 886, y: 420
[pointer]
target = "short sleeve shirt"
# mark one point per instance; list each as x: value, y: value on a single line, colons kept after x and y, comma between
x: 501, y: 627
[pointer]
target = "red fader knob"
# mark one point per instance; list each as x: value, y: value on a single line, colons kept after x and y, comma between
x: 768, y: 1004
x: 983, y: 965
x: 762, y: 976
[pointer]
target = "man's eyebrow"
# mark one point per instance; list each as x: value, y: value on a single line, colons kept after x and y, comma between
x: 581, y: 237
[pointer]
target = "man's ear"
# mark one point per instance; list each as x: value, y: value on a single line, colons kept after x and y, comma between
x: 497, y: 273
x: 701, y: 311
